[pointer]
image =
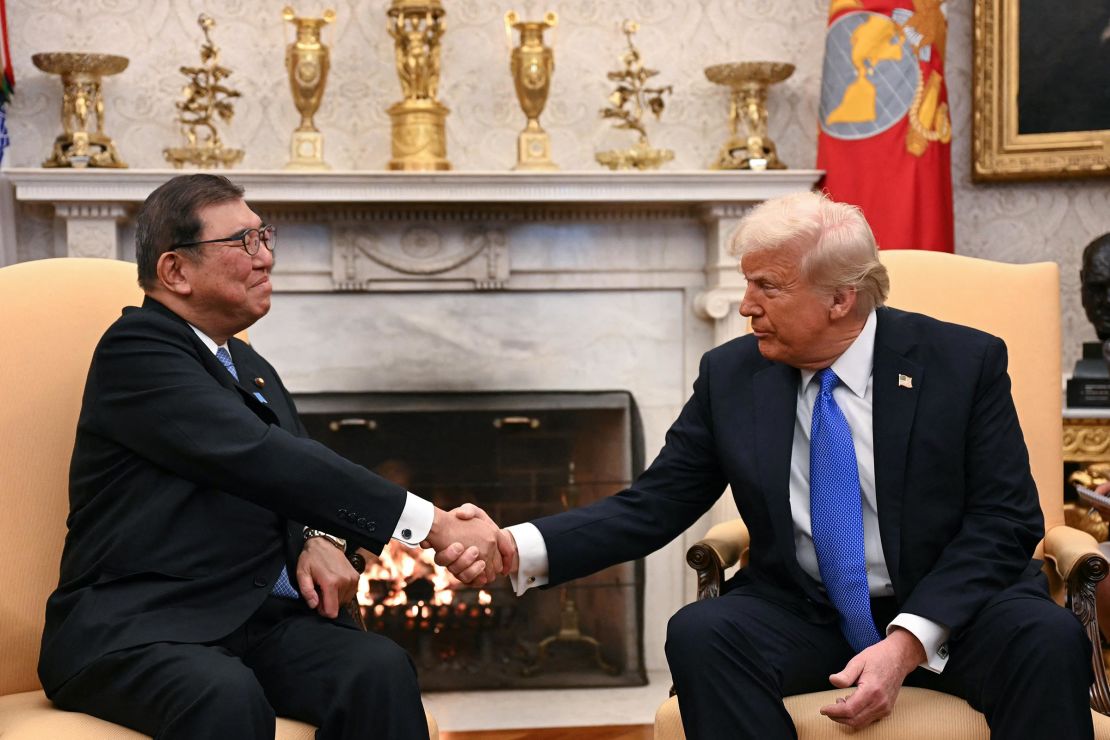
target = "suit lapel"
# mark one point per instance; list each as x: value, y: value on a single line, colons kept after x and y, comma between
x: 249, y: 369
x: 896, y: 381
x: 776, y: 402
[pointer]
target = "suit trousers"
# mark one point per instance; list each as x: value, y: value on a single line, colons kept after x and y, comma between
x: 285, y: 660
x: 1024, y: 662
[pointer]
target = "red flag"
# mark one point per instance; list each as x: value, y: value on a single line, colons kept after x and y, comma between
x: 885, y: 131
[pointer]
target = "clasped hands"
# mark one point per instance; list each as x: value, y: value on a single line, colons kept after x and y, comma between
x: 470, y: 545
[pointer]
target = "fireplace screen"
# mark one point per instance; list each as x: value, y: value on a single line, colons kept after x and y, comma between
x: 519, y: 456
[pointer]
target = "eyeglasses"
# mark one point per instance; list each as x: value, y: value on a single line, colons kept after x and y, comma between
x: 249, y: 240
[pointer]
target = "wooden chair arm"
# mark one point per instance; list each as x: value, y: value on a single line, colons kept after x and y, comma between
x: 1077, y: 561
x: 723, y: 546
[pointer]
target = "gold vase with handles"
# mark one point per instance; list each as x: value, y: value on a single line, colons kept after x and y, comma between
x: 532, y: 65
x: 308, y: 61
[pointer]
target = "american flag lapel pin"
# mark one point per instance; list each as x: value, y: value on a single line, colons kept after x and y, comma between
x: 905, y: 381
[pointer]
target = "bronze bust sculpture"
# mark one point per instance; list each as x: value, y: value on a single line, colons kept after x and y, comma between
x: 1095, y: 276
x: 1089, y: 385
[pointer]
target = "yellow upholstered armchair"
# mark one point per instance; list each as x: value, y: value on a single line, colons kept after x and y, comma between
x: 52, y: 313
x: 1020, y: 304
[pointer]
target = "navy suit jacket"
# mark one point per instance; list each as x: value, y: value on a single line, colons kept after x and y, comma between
x: 187, y: 495
x: 958, y: 510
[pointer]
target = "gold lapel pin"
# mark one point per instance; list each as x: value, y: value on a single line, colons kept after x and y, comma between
x: 905, y: 381
x: 262, y: 383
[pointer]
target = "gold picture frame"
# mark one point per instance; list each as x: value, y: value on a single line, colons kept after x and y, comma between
x: 1001, y: 149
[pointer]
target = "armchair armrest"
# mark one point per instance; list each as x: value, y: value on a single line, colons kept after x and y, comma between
x: 723, y: 546
x: 1078, y: 563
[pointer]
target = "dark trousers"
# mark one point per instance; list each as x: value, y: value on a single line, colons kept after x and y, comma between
x: 286, y: 660
x: 1024, y: 662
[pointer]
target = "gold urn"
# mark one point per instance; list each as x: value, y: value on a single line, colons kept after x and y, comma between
x: 419, y: 140
x: 82, y: 100
x: 307, y: 59
x: 748, y: 82
x: 532, y: 65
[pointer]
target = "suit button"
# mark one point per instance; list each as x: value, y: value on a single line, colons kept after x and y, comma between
x: 342, y: 513
x: 371, y: 526
x: 260, y: 582
x: 352, y: 516
x: 406, y: 534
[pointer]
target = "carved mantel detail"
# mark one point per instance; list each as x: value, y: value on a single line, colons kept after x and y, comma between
x: 418, y: 257
x: 91, y: 228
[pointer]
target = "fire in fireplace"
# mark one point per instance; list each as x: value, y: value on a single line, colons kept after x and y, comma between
x: 518, y: 456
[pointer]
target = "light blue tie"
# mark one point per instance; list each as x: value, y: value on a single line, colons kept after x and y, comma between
x: 835, y: 507
x: 282, y: 587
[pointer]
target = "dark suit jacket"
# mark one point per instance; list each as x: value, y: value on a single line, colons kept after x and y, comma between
x: 958, y: 510
x: 187, y: 494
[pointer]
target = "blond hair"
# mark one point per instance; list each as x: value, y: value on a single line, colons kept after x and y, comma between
x: 833, y: 243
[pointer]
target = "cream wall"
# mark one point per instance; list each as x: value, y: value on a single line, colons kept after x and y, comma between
x: 1013, y: 222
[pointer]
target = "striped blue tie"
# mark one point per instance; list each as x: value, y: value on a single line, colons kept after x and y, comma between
x: 835, y: 506
x: 282, y: 587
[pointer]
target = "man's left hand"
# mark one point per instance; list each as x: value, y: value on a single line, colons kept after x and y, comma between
x: 877, y: 672
x: 325, y: 577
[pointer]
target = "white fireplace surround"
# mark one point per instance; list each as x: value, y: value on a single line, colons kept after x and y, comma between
x: 474, y: 281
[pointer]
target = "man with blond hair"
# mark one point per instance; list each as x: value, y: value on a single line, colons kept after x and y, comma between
x: 876, y: 458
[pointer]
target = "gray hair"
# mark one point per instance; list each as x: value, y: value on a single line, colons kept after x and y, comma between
x: 833, y: 243
x: 169, y: 216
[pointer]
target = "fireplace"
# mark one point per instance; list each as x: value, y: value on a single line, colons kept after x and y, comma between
x: 519, y: 456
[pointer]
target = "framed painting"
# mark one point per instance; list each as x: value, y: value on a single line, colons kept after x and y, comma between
x: 1041, y: 104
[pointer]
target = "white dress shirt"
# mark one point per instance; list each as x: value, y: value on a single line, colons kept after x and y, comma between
x: 416, y: 517
x: 853, y: 396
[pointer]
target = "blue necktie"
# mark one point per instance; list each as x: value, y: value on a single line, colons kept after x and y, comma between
x: 836, y: 512
x: 282, y: 587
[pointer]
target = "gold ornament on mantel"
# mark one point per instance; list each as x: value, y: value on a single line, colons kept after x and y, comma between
x: 532, y: 65
x: 206, y: 98
x: 308, y: 61
x: 748, y: 82
x: 82, y: 99
x: 419, y: 140
x: 627, y: 103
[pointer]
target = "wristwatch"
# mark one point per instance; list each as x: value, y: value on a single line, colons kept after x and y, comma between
x: 337, y: 541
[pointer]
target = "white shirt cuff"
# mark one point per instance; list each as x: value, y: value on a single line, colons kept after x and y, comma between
x: 933, y: 636
x: 415, y: 522
x: 531, y: 558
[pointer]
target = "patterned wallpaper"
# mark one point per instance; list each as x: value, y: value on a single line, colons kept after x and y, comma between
x: 1021, y: 222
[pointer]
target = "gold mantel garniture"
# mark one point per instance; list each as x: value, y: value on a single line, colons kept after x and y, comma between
x: 748, y: 82
x: 76, y: 146
x: 632, y: 91
x: 419, y: 140
x: 308, y: 61
x: 206, y: 98
x: 532, y: 65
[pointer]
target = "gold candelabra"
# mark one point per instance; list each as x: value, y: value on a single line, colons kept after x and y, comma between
x: 532, y: 65
x: 82, y: 99
x: 307, y: 59
x: 206, y: 98
x: 419, y: 140
x: 748, y: 82
x: 628, y: 102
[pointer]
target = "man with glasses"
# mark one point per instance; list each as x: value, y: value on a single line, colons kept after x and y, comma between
x: 199, y: 595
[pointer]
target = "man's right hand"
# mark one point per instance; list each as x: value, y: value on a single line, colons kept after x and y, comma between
x: 458, y: 559
x: 1103, y: 489
x: 468, y: 545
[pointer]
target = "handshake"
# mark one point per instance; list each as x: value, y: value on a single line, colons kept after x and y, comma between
x: 471, y: 546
